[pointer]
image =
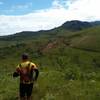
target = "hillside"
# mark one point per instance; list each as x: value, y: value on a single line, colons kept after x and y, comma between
x: 87, y: 39
x: 76, y: 25
x: 68, y: 60
x: 78, y: 34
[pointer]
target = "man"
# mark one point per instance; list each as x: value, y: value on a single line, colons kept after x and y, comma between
x: 26, y: 70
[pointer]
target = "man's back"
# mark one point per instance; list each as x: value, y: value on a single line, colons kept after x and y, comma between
x: 25, y: 70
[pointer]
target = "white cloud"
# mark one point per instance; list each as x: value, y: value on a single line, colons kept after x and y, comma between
x: 86, y: 8
x: 52, y: 17
x: 56, y: 4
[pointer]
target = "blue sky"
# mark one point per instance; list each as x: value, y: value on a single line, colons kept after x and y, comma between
x: 34, y: 15
x: 19, y: 7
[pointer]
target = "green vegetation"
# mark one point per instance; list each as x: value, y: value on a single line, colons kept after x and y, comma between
x: 69, y: 64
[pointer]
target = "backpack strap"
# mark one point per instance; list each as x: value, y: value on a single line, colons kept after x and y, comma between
x: 20, y: 65
x: 27, y: 65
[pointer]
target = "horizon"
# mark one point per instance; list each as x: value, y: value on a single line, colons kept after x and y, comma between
x: 50, y: 29
x: 26, y: 15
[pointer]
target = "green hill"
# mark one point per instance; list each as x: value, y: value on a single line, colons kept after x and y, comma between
x: 87, y: 39
x: 68, y: 60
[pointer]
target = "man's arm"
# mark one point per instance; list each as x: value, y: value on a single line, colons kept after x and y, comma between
x: 36, y: 74
x: 15, y: 74
x: 35, y: 70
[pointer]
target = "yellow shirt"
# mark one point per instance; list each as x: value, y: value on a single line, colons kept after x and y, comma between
x: 25, y: 70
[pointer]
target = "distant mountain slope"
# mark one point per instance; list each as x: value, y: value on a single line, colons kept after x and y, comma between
x: 87, y: 39
x: 77, y: 34
x: 95, y: 23
x: 74, y: 25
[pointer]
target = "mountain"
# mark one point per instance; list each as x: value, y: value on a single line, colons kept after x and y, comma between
x: 95, y: 23
x: 74, y: 32
x: 76, y: 25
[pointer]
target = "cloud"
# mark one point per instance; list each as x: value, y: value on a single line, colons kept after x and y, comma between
x: 56, y: 4
x: 86, y: 8
x: 61, y: 11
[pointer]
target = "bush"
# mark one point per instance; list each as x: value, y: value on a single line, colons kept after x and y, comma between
x: 72, y: 74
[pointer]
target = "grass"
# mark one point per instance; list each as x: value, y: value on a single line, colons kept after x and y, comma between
x: 52, y: 86
x: 70, y: 74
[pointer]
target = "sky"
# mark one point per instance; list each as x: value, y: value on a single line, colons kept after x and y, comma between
x: 35, y: 15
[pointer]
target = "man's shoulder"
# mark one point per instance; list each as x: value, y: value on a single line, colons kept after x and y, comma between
x: 33, y: 65
x: 23, y: 64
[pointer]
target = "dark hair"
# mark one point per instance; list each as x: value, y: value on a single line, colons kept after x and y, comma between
x: 25, y: 56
